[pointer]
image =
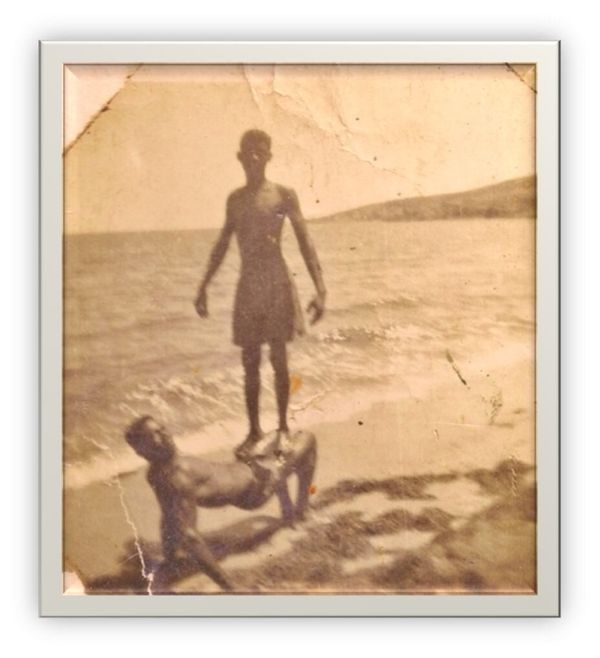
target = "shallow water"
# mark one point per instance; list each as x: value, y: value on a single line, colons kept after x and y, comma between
x: 400, y: 296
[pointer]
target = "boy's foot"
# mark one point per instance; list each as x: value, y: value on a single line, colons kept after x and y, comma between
x: 310, y: 516
x: 285, y: 445
x: 246, y: 449
x: 261, y: 445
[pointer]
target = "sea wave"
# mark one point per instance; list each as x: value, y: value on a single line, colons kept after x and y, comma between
x: 377, y: 335
x: 398, y: 302
x: 133, y: 344
x: 328, y: 405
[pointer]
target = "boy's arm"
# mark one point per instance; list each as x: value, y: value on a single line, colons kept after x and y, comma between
x: 307, y: 249
x: 216, y: 258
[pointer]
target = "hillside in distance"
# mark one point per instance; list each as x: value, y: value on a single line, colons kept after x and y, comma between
x: 512, y: 198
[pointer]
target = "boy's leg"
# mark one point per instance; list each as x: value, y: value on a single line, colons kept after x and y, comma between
x: 287, y: 506
x: 306, y: 473
x: 251, y: 361
x: 282, y: 381
x: 199, y: 551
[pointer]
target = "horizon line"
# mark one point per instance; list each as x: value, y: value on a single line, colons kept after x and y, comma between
x: 308, y: 219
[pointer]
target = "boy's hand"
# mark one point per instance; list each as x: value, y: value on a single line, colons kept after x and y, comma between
x: 317, y: 306
x: 201, y: 304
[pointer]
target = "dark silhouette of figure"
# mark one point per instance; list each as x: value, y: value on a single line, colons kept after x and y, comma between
x: 266, y: 304
x: 182, y: 483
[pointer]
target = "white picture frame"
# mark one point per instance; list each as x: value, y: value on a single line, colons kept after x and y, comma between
x: 545, y: 56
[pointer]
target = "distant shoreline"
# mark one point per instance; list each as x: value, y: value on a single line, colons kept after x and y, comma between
x: 310, y: 222
x: 510, y: 199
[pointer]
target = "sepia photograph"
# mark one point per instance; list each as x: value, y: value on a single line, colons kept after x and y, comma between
x: 299, y: 329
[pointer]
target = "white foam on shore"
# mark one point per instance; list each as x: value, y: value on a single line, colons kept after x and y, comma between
x: 107, y: 465
x: 322, y: 407
x: 223, y: 435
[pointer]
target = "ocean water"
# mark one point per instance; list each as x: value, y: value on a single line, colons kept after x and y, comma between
x: 400, y: 296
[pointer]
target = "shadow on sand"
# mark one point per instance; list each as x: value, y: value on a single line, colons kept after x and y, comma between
x: 455, y: 532
x: 238, y: 537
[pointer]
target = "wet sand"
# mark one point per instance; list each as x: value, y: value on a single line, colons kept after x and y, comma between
x: 430, y: 493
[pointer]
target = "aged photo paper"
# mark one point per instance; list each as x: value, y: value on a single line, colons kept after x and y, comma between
x: 299, y: 329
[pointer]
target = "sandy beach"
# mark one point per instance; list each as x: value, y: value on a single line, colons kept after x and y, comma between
x: 428, y: 492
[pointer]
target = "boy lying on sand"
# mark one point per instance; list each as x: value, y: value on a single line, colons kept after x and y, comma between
x: 183, y: 483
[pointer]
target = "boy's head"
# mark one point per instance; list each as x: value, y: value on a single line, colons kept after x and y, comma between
x: 255, y: 151
x: 255, y: 139
x: 150, y: 440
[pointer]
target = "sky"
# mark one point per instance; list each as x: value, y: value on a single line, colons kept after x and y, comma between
x: 162, y: 154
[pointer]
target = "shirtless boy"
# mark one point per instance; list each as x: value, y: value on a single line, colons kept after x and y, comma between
x: 266, y: 305
x: 183, y: 483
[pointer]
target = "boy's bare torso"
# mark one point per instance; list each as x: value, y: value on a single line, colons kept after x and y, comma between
x: 257, y: 216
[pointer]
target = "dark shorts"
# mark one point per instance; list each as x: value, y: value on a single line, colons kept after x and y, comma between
x: 266, y: 309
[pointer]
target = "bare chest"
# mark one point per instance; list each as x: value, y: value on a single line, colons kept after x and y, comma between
x: 266, y: 205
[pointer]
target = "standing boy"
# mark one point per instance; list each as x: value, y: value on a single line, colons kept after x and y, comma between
x: 266, y: 305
